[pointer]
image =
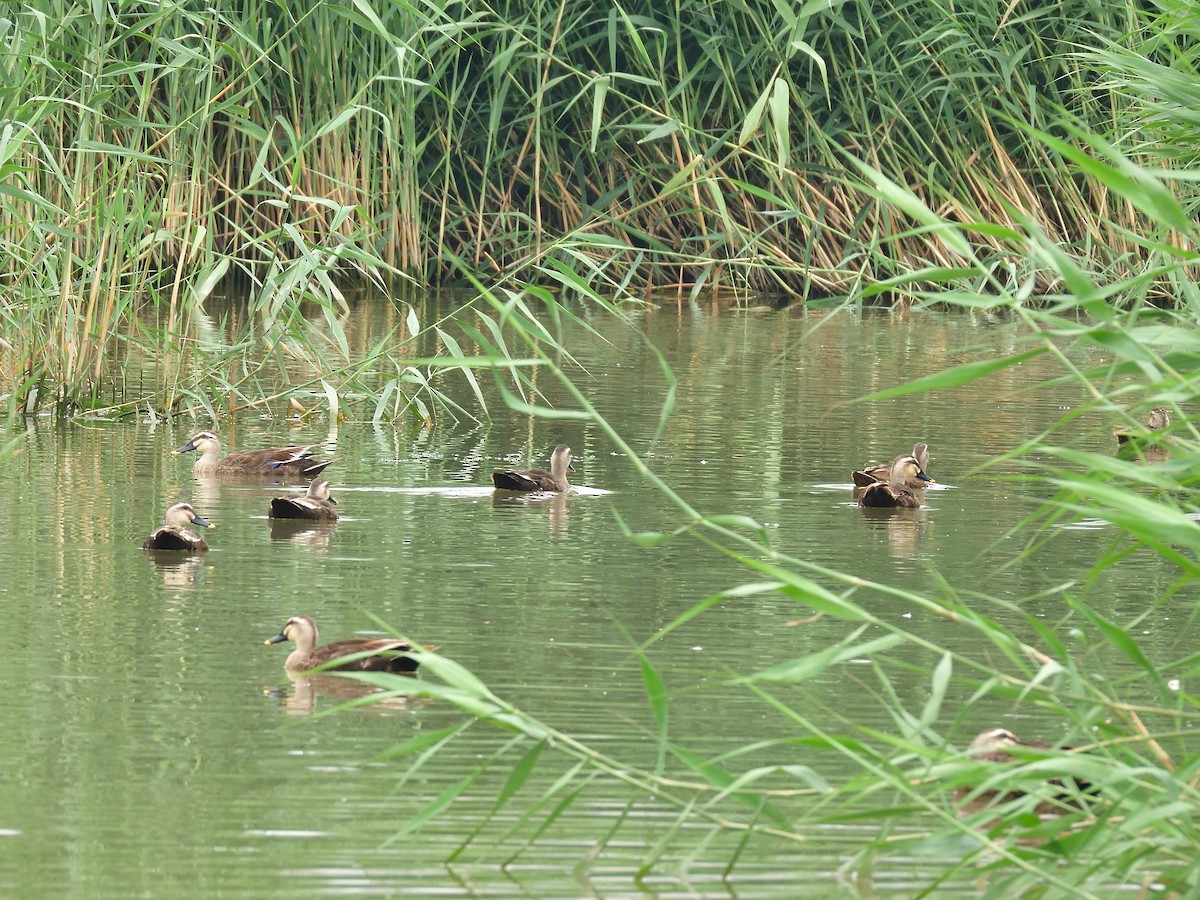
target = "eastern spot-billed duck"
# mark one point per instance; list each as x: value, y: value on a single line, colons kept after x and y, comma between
x: 1158, y: 420
x: 174, y: 533
x: 896, y: 493
x: 871, y: 474
x: 281, y: 462
x: 387, y: 653
x: 316, y: 504
x: 993, y: 745
x: 539, y: 479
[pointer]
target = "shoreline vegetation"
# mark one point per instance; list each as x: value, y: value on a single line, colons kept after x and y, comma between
x: 717, y: 144
x: 1034, y: 161
x: 839, y: 153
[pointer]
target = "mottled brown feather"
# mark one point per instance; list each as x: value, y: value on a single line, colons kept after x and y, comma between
x: 317, y: 504
x: 895, y: 493
x: 387, y: 653
x: 538, y: 479
x: 869, y: 475
x: 278, y: 462
x: 173, y: 534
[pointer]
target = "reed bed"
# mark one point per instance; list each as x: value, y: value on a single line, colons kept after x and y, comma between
x: 705, y: 141
x: 148, y: 149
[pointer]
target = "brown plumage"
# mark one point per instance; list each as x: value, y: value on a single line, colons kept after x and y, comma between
x: 539, y: 479
x: 316, y: 504
x: 1159, y: 419
x: 871, y: 474
x: 279, y: 462
x: 992, y: 745
x: 896, y: 493
x: 387, y: 652
x: 174, y: 534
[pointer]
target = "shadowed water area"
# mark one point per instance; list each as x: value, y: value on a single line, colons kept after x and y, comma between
x: 153, y: 746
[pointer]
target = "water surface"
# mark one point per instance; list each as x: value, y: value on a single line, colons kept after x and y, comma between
x: 153, y: 746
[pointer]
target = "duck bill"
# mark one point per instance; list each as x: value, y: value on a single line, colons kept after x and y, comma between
x: 278, y: 639
x: 202, y: 522
x: 570, y: 467
x: 186, y: 448
x: 925, y: 477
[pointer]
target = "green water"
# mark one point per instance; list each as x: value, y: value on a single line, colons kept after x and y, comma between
x: 153, y: 746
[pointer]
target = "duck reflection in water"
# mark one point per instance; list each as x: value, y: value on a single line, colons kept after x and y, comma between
x: 303, y: 532
x: 178, y: 570
x: 554, y: 505
x: 904, y: 532
x: 300, y: 697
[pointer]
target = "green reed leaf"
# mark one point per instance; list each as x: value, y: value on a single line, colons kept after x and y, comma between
x: 520, y: 773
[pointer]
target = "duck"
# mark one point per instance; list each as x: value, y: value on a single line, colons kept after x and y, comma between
x: 280, y: 462
x: 871, y: 474
x: 539, y: 479
x: 1159, y: 419
x: 316, y: 504
x: 896, y: 493
x: 387, y: 653
x: 174, y: 534
x: 992, y: 745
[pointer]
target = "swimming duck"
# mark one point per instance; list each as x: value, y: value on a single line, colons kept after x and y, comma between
x: 281, y: 462
x: 539, y: 479
x: 307, y: 655
x: 896, y: 491
x: 1157, y: 421
x: 316, y: 504
x: 992, y: 745
x: 174, y: 535
x: 872, y: 474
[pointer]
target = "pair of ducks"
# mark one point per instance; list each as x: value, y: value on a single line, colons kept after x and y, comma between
x: 901, y: 484
x: 299, y: 462
x: 174, y: 533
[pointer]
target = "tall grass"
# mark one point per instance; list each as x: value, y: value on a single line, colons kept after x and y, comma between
x: 697, y: 137
x: 146, y: 149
